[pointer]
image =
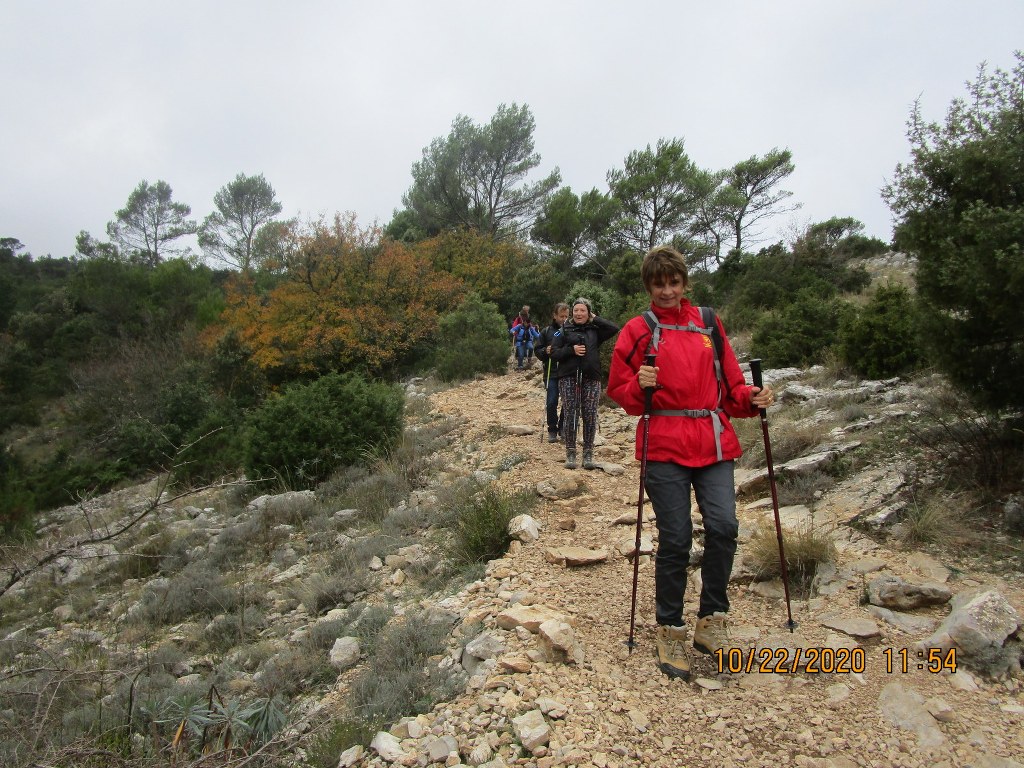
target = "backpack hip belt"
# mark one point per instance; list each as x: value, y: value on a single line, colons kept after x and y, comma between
x: 716, y: 422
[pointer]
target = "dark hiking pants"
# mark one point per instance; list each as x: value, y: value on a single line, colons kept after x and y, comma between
x: 668, y: 486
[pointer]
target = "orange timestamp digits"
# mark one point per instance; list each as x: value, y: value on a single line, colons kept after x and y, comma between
x: 934, y: 660
x: 829, y: 661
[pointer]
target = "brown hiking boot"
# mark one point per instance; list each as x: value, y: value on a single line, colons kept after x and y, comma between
x: 712, y: 633
x: 673, y: 655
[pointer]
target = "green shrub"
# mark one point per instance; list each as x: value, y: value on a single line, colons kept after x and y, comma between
x: 480, y: 530
x: 17, y: 502
x: 367, y: 623
x: 198, y: 590
x: 800, y: 332
x: 473, y: 339
x: 880, y: 340
x: 311, y: 429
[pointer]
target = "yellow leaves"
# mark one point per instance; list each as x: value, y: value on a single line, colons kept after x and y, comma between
x: 475, y: 259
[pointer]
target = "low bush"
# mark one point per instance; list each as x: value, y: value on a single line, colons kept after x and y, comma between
x: 800, y: 332
x: 880, y: 340
x: 933, y: 519
x: 334, y: 738
x: 198, y: 590
x: 480, y: 527
x: 475, y: 340
x: 402, y: 676
x: 311, y: 429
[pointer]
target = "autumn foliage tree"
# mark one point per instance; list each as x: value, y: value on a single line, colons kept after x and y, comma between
x: 350, y: 300
x: 475, y: 259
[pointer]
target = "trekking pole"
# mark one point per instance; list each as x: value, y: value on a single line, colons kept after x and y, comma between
x: 755, y: 374
x: 579, y: 402
x: 648, y: 396
x: 544, y: 418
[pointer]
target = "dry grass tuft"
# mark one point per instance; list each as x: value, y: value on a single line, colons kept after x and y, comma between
x: 806, y: 548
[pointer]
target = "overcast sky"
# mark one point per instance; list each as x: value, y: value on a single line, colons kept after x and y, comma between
x: 334, y: 101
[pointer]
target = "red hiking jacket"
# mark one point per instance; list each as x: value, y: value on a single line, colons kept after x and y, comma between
x: 686, y: 380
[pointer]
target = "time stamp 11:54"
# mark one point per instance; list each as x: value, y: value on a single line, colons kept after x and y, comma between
x: 832, y: 660
x: 933, y: 660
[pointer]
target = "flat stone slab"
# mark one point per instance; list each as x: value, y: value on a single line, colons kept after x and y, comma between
x: 573, y: 557
x: 852, y: 626
x: 528, y: 616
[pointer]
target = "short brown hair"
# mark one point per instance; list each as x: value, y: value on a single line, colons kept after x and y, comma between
x: 661, y: 262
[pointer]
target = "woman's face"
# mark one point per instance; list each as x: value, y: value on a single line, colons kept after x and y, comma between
x: 562, y: 315
x: 667, y: 292
x: 580, y: 314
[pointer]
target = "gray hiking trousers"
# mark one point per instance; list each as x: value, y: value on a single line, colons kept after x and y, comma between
x: 668, y: 486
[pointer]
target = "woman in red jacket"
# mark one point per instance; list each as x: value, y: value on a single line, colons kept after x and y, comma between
x: 690, y: 444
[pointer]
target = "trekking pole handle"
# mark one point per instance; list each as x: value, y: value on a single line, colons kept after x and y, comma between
x: 756, y: 377
x: 649, y: 391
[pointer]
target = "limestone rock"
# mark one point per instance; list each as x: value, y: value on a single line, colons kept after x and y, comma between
x: 573, y: 557
x: 559, y: 487
x: 553, y: 708
x: 854, y: 626
x: 905, y: 709
x: 893, y: 592
x: 627, y: 547
x: 344, y: 653
x: 984, y: 629
x: 905, y: 622
x: 558, y: 642
x: 524, y: 528
x: 528, y: 616
x: 387, y: 746
x: 520, y: 429
x: 351, y: 756
x: 485, y: 646
x: 532, y: 730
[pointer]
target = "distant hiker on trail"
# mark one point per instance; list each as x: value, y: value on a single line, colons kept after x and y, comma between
x: 558, y: 317
x: 518, y: 320
x: 579, y: 376
x: 696, y: 390
x: 522, y: 317
x: 524, y: 335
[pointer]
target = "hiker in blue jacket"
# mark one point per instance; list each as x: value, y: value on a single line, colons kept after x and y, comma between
x: 524, y: 334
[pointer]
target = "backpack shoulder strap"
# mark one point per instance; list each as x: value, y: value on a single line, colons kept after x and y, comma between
x: 710, y: 320
x: 707, y: 316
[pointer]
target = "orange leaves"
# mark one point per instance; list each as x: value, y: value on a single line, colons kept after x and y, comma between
x: 348, y: 299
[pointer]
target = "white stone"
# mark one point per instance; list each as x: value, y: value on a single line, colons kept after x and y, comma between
x: 387, y: 746
x: 344, y: 653
x: 524, y: 528
x: 532, y: 730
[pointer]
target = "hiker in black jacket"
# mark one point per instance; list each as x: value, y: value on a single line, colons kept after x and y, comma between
x: 543, y: 349
x: 579, y: 376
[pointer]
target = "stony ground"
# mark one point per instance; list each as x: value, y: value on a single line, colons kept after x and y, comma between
x: 616, y: 709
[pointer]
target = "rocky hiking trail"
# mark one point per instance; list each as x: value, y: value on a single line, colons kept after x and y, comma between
x: 553, y: 683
